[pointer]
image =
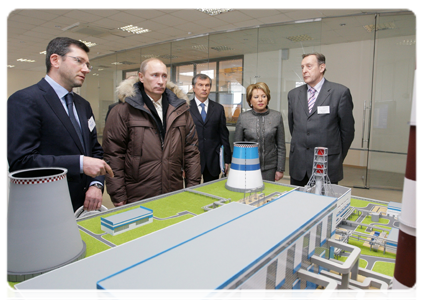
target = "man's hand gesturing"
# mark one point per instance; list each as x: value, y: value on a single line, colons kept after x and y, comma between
x: 94, y: 167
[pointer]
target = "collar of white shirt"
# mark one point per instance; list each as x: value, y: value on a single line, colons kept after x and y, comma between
x: 156, y: 103
x: 318, y: 86
x: 158, y: 106
x: 198, y: 102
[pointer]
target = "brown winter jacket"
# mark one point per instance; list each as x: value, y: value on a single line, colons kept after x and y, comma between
x: 144, y: 165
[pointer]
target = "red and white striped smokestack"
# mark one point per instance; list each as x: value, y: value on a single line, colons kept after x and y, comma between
x: 405, y: 265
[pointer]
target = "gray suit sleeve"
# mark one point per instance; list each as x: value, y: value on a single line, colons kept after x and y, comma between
x: 280, y: 141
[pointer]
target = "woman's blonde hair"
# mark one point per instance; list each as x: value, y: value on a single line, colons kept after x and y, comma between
x: 257, y: 86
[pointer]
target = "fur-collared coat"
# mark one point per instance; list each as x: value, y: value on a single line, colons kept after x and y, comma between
x: 144, y: 163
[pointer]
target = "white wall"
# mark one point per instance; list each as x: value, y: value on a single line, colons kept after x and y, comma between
x: 18, y: 79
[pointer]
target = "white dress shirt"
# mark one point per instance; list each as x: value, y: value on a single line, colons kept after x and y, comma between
x: 158, y: 106
x: 198, y: 102
x: 317, y: 87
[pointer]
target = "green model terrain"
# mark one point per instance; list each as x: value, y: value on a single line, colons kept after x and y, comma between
x: 169, y: 207
x: 385, y: 268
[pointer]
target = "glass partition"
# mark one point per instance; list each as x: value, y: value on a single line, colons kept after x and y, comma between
x: 100, y: 88
x: 187, y: 54
x: 388, y: 133
x: 184, y: 74
x: 350, y: 62
x: 237, y: 53
x: 372, y: 54
x: 210, y: 69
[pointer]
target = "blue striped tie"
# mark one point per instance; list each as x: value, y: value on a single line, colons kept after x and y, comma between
x: 312, y: 99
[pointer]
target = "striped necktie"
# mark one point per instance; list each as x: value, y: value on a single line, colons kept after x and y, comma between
x: 311, y: 99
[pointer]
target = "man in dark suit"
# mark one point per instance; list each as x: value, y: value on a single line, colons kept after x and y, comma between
x: 320, y: 114
x: 50, y: 126
x: 210, y: 122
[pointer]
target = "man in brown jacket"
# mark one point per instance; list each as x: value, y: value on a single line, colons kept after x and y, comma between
x: 150, y: 138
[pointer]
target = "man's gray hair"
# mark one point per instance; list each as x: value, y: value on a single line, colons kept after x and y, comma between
x: 202, y: 77
x: 321, y: 59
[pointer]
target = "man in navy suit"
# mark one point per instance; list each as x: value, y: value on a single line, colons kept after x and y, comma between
x: 50, y: 126
x: 210, y: 122
x: 320, y: 114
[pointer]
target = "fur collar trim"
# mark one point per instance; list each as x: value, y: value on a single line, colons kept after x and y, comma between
x: 127, y: 89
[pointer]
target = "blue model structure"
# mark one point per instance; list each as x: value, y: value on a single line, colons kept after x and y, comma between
x: 127, y: 220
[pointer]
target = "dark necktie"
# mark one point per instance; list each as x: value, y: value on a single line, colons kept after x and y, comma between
x: 203, y: 111
x: 69, y: 104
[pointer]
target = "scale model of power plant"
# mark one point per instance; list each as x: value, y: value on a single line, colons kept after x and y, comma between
x: 286, y: 243
x: 280, y: 250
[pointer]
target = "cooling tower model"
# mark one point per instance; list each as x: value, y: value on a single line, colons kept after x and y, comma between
x: 245, y: 174
x: 42, y: 233
x: 405, y: 265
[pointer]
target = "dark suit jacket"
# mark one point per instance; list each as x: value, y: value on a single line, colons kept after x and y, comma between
x: 334, y: 130
x: 40, y: 134
x: 110, y: 108
x: 212, y: 134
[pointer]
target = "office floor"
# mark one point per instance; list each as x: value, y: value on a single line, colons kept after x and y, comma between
x: 386, y: 186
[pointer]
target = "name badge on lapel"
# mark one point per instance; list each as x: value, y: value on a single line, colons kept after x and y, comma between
x: 321, y: 110
x: 91, y: 123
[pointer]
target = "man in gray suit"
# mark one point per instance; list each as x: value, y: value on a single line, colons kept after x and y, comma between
x: 319, y: 115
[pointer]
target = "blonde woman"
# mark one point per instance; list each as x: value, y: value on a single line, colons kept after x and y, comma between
x: 265, y: 126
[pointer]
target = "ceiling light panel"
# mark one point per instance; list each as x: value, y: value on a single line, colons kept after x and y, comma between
x: 89, y: 44
x: 222, y: 48
x: 202, y: 48
x: 267, y: 41
x: 407, y: 43
x: 214, y: 11
x: 300, y: 38
x: 167, y: 56
x: 384, y: 26
x: 25, y: 60
x: 146, y: 56
x: 134, y: 29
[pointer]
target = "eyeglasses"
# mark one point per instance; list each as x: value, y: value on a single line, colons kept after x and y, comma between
x: 81, y: 62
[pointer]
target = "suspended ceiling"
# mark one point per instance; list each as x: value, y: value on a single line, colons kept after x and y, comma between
x: 29, y: 31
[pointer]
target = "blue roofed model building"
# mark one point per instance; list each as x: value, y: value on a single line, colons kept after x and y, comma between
x: 127, y: 220
x: 394, y: 209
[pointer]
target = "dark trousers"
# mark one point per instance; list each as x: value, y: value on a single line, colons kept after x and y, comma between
x: 207, y: 176
x: 304, y: 181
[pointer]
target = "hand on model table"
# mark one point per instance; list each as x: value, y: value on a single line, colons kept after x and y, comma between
x: 94, y: 167
x: 278, y: 175
x: 93, y: 198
